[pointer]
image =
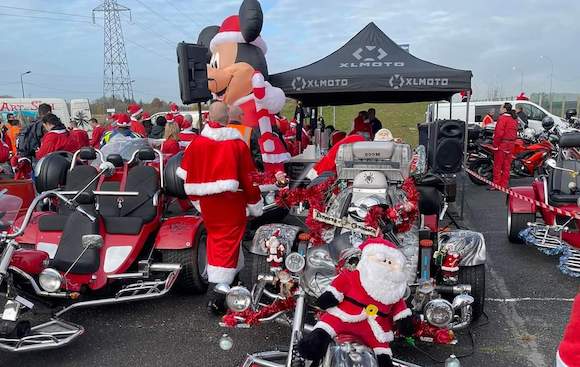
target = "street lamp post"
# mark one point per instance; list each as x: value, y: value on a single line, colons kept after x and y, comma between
x: 22, y: 82
x: 551, y: 76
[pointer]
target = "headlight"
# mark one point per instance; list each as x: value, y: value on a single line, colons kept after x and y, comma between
x: 319, y: 258
x: 238, y: 299
x: 439, y: 312
x: 50, y: 280
x: 294, y: 262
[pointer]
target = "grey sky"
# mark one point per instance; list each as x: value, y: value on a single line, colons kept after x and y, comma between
x: 488, y: 37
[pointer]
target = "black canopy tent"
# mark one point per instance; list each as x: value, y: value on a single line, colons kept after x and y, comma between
x: 370, y: 67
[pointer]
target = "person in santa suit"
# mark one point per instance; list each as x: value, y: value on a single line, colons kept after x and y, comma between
x: 362, y: 125
x: 121, y: 129
x: 78, y: 135
x: 170, y: 146
x: 135, y: 111
x: 179, y: 120
x: 5, y: 150
x: 569, y: 350
x: 217, y: 168
x: 328, y: 162
x: 366, y: 302
x: 97, y: 134
x: 56, y: 137
x: 187, y: 134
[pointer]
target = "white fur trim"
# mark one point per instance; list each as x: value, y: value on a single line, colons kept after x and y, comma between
x: 244, y: 99
x: 275, y: 158
x: 236, y: 37
x: 346, y: 317
x: 274, y: 99
x: 56, y: 131
x: 559, y: 361
x: 265, y: 124
x: 384, y: 249
x: 447, y: 268
x: 181, y: 173
x: 184, y: 144
x: 256, y: 209
x: 258, y: 80
x: 324, y: 326
x: 269, y: 145
x: 312, y: 174
x: 381, y: 335
x: 210, y: 188
x: 338, y: 295
x: 383, y: 351
x: 221, y: 133
x: 401, y: 315
x: 217, y: 274
x: 137, y: 113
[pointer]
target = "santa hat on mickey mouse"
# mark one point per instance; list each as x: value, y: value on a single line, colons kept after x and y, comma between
x: 230, y: 31
x: 122, y: 120
x: 134, y: 110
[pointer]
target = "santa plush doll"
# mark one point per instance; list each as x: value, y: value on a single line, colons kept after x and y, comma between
x: 366, y: 303
x: 569, y: 349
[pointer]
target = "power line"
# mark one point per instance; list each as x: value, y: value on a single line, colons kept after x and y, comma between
x: 46, y: 18
x: 44, y: 11
x: 161, y: 16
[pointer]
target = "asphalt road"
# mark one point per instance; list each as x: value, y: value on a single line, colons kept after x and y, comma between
x: 177, y: 331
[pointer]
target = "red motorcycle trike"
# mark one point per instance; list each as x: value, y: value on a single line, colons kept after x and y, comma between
x: 104, y: 236
x: 552, y: 227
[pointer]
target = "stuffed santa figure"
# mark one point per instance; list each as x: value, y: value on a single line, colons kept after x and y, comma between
x: 135, y: 111
x: 569, y: 349
x: 217, y: 168
x: 365, y: 302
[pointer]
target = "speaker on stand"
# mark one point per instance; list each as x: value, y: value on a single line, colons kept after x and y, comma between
x: 446, y: 144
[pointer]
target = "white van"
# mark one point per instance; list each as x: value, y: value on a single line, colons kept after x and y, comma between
x: 26, y: 109
x: 80, y: 111
x: 478, y: 110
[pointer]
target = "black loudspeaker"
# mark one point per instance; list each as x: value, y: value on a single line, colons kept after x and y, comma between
x: 192, y: 70
x: 446, y: 142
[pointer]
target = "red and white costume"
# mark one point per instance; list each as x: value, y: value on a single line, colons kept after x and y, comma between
x: 134, y: 111
x: 55, y: 140
x: 96, y: 136
x: 569, y: 349
x: 328, y: 162
x: 370, y: 297
x: 186, y: 136
x: 80, y: 137
x: 216, y: 168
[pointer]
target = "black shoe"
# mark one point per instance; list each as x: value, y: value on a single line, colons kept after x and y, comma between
x: 217, y: 305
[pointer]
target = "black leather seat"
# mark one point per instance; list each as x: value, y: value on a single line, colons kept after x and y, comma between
x: 135, y: 210
x: 70, y: 246
x: 559, y: 192
x: 76, y: 179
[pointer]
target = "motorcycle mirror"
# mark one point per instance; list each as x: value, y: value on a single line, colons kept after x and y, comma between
x: 108, y: 168
x: 92, y: 241
x: 551, y: 163
x: 222, y: 288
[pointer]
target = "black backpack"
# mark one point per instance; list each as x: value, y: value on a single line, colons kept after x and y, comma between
x: 28, y: 141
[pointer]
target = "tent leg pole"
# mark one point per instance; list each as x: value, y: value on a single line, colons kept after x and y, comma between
x: 465, y: 157
x: 334, y: 116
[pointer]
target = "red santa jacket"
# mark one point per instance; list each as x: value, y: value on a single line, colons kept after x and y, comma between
x: 328, y: 162
x: 506, y: 129
x: 80, y: 137
x: 96, y: 136
x: 55, y: 140
x: 138, y: 128
x: 5, y: 147
x: 170, y: 147
x: 219, y: 161
x: 569, y: 349
x: 354, y: 299
x: 185, y: 137
x: 361, y: 127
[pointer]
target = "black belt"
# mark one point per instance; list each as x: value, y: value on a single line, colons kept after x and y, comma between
x: 360, y: 304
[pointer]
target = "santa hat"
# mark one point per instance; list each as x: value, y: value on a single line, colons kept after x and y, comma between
x: 122, y: 120
x: 173, y: 108
x: 569, y: 349
x: 146, y: 116
x: 230, y: 32
x: 170, y: 117
x: 381, y: 246
x: 179, y: 120
x: 134, y: 109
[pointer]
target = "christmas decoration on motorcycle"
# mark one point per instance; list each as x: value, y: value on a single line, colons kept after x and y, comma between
x: 252, y: 317
x: 275, y: 250
x: 428, y: 333
x: 402, y: 215
x: 315, y: 198
x: 367, y: 303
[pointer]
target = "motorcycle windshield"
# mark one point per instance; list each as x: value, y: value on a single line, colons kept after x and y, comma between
x: 124, y: 146
x: 9, y: 207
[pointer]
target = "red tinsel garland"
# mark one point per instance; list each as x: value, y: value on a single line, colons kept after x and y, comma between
x: 263, y: 178
x: 402, y: 215
x: 315, y: 198
x: 252, y: 317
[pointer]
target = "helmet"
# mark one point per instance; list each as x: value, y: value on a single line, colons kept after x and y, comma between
x: 547, y: 123
x: 528, y: 133
x: 571, y: 113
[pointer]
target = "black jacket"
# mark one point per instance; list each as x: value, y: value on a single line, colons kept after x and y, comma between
x: 28, y: 141
x: 157, y: 132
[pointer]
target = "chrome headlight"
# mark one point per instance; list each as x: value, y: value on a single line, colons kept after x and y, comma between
x: 238, y: 299
x: 50, y: 280
x: 294, y: 262
x: 439, y: 312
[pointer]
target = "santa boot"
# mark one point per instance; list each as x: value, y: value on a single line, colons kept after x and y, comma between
x: 385, y: 360
x: 313, y: 346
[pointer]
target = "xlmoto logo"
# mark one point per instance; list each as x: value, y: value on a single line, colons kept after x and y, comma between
x: 370, y: 56
x: 299, y: 83
x: 397, y: 81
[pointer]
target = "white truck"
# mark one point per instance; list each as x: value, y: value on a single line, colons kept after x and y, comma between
x: 478, y: 110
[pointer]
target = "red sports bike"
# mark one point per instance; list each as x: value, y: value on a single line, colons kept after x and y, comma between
x: 106, y: 236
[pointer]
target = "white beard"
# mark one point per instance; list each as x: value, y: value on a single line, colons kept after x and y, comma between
x: 387, y: 288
